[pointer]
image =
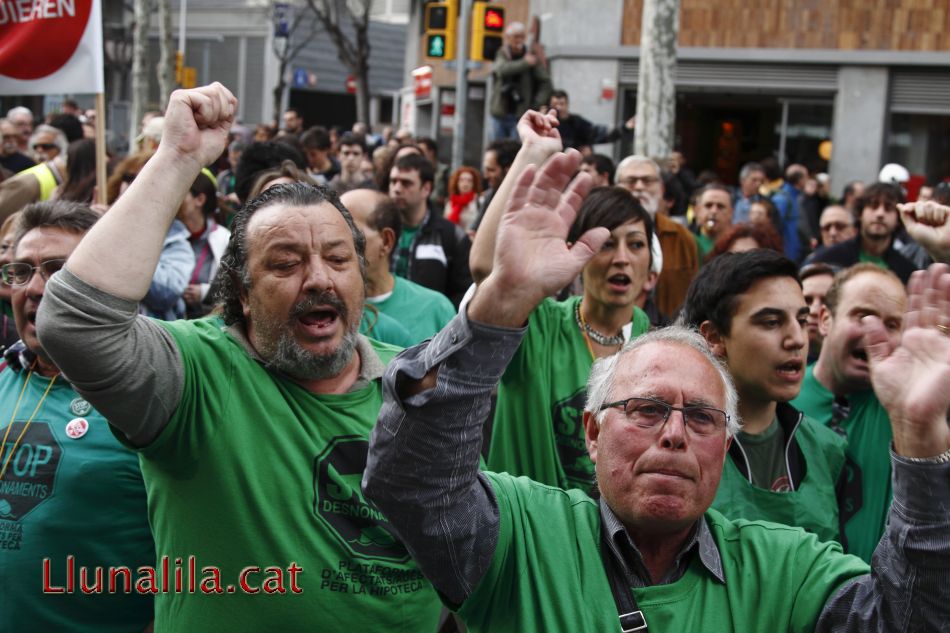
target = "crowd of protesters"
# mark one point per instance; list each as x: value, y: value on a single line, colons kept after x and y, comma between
x: 626, y: 391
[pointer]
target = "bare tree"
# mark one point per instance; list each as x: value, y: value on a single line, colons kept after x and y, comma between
x: 656, y: 93
x: 287, y: 48
x: 139, y: 66
x: 338, y: 18
x: 166, y: 57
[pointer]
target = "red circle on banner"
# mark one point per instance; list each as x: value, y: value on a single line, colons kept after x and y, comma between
x: 40, y: 44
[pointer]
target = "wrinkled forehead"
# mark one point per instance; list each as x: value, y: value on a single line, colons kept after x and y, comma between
x: 669, y: 371
x: 309, y: 227
x: 638, y: 168
x: 46, y: 242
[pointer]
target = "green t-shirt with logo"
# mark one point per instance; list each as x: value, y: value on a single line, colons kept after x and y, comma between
x: 867, y: 496
x: 547, y: 573
x: 538, y: 429
x: 420, y: 310
x: 70, y: 489
x: 255, y: 471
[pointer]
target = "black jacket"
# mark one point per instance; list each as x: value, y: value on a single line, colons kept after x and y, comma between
x: 439, y: 258
x: 848, y: 254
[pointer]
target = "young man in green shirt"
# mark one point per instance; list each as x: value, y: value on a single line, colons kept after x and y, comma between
x: 837, y: 392
x: 782, y: 467
x: 659, y: 420
x: 252, y: 436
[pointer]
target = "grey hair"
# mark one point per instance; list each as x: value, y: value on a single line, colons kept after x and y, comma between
x: 601, y: 380
x: 74, y: 217
x: 19, y: 110
x: 749, y: 168
x: 59, y: 138
x: 636, y: 158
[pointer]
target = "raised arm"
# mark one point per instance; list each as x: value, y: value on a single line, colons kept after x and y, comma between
x: 128, y: 366
x: 422, y: 469
x: 909, y: 585
x: 929, y: 224
x: 539, y: 140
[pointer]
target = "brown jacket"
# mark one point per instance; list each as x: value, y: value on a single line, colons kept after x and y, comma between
x: 680, y: 264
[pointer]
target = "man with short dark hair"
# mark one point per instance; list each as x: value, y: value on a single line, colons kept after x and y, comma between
x: 600, y: 168
x: 782, y: 467
x: 321, y: 166
x: 293, y: 122
x: 440, y: 182
x: 256, y: 422
x: 658, y: 421
x: 431, y: 251
x: 578, y: 132
x: 352, y: 151
x: 837, y: 391
x: 68, y: 488
x: 713, y: 216
x: 422, y: 311
x: 878, y: 223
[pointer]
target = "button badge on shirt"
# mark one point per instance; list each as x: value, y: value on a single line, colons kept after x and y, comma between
x: 77, y: 427
x: 79, y: 406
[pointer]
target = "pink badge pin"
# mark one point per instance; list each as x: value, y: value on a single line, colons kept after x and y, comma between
x: 77, y: 427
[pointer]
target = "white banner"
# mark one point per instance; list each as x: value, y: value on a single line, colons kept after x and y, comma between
x: 51, y: 47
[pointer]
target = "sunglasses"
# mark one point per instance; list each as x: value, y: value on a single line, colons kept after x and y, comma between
x: 45, y: 146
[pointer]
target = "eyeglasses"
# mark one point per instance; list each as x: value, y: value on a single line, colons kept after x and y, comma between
x: 45, y: 146
x: 631, y: 181
x: 649, y: 413
x: 837, y: 226
x: 20, y: 273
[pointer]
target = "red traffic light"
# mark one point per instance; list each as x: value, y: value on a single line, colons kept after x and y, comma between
x: 494, y: 19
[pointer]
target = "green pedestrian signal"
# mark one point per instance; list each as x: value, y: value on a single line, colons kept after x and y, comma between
x: 436, y: 46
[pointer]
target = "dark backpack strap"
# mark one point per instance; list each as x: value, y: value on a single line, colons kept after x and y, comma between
x: 631, y: 618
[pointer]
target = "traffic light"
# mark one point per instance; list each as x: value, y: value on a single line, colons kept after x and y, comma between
x: 488, y: 29
x: 440, y: 23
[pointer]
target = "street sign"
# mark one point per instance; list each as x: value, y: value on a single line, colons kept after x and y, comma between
x: 351, y: 84
x: 282, y: 20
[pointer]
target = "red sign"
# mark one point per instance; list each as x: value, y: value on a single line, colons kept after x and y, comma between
x: 351, y: 84
x: 37, y: 38
x: 422, y: 82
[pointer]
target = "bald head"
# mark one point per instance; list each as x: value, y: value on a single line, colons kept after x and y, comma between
x: 362, y: 203
x: 378, y: 218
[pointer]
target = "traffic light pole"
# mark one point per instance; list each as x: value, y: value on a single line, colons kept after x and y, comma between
x: 461, y: 83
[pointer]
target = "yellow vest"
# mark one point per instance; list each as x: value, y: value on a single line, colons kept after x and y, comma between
x: 44, y: 175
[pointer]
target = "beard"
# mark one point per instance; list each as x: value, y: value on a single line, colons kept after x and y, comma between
x: 282, y: 353
x: 649, y: 203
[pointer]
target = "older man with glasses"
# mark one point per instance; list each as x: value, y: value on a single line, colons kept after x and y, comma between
x: 659, y: 418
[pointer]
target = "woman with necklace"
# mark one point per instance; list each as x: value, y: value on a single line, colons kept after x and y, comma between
x: 538, y: 426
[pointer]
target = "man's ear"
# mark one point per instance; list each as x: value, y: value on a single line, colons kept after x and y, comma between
x: 825, y: 319
x: 713, y: 338
x: 388, y: 240
x: 591, y: 434
x: 427, y: 188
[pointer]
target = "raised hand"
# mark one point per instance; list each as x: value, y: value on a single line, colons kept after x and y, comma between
x: 929, y: 224
x: 197, y: 123
x: 532, y: 259
x: 538, y: 133
x: 912, y: 381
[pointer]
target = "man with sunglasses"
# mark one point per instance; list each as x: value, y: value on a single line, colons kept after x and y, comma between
x: 513, y: 555
x: 67, y: 486
x: 782, y: 466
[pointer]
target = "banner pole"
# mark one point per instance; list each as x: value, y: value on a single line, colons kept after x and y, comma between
x: 101, y: 157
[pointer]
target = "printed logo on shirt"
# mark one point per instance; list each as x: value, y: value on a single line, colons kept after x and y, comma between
x: 568, y: 418
x: 339, y: 502
x: 30, y: 475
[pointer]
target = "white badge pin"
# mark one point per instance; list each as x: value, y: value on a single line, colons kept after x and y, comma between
x: 77, y: 427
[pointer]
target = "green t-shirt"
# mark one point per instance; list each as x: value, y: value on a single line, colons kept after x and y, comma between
x: 547, y: 573
x: 404, y: 250
x: 766, y: 455
x: 704, y: 244
x: 813, y: 505
x: 865, y: 258
x: 255, y: 471
x: 385, y: 329
x: 70, y: 490
x: 420, y: 310
x: 867, y: 497
x: 539, y: 428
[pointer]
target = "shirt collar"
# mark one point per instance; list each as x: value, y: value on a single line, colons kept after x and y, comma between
x: 620, y: 542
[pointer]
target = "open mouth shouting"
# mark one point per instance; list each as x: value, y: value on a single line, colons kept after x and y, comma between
x: 791, y: 370
x: 320, y: 315
x: 619, y: 282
